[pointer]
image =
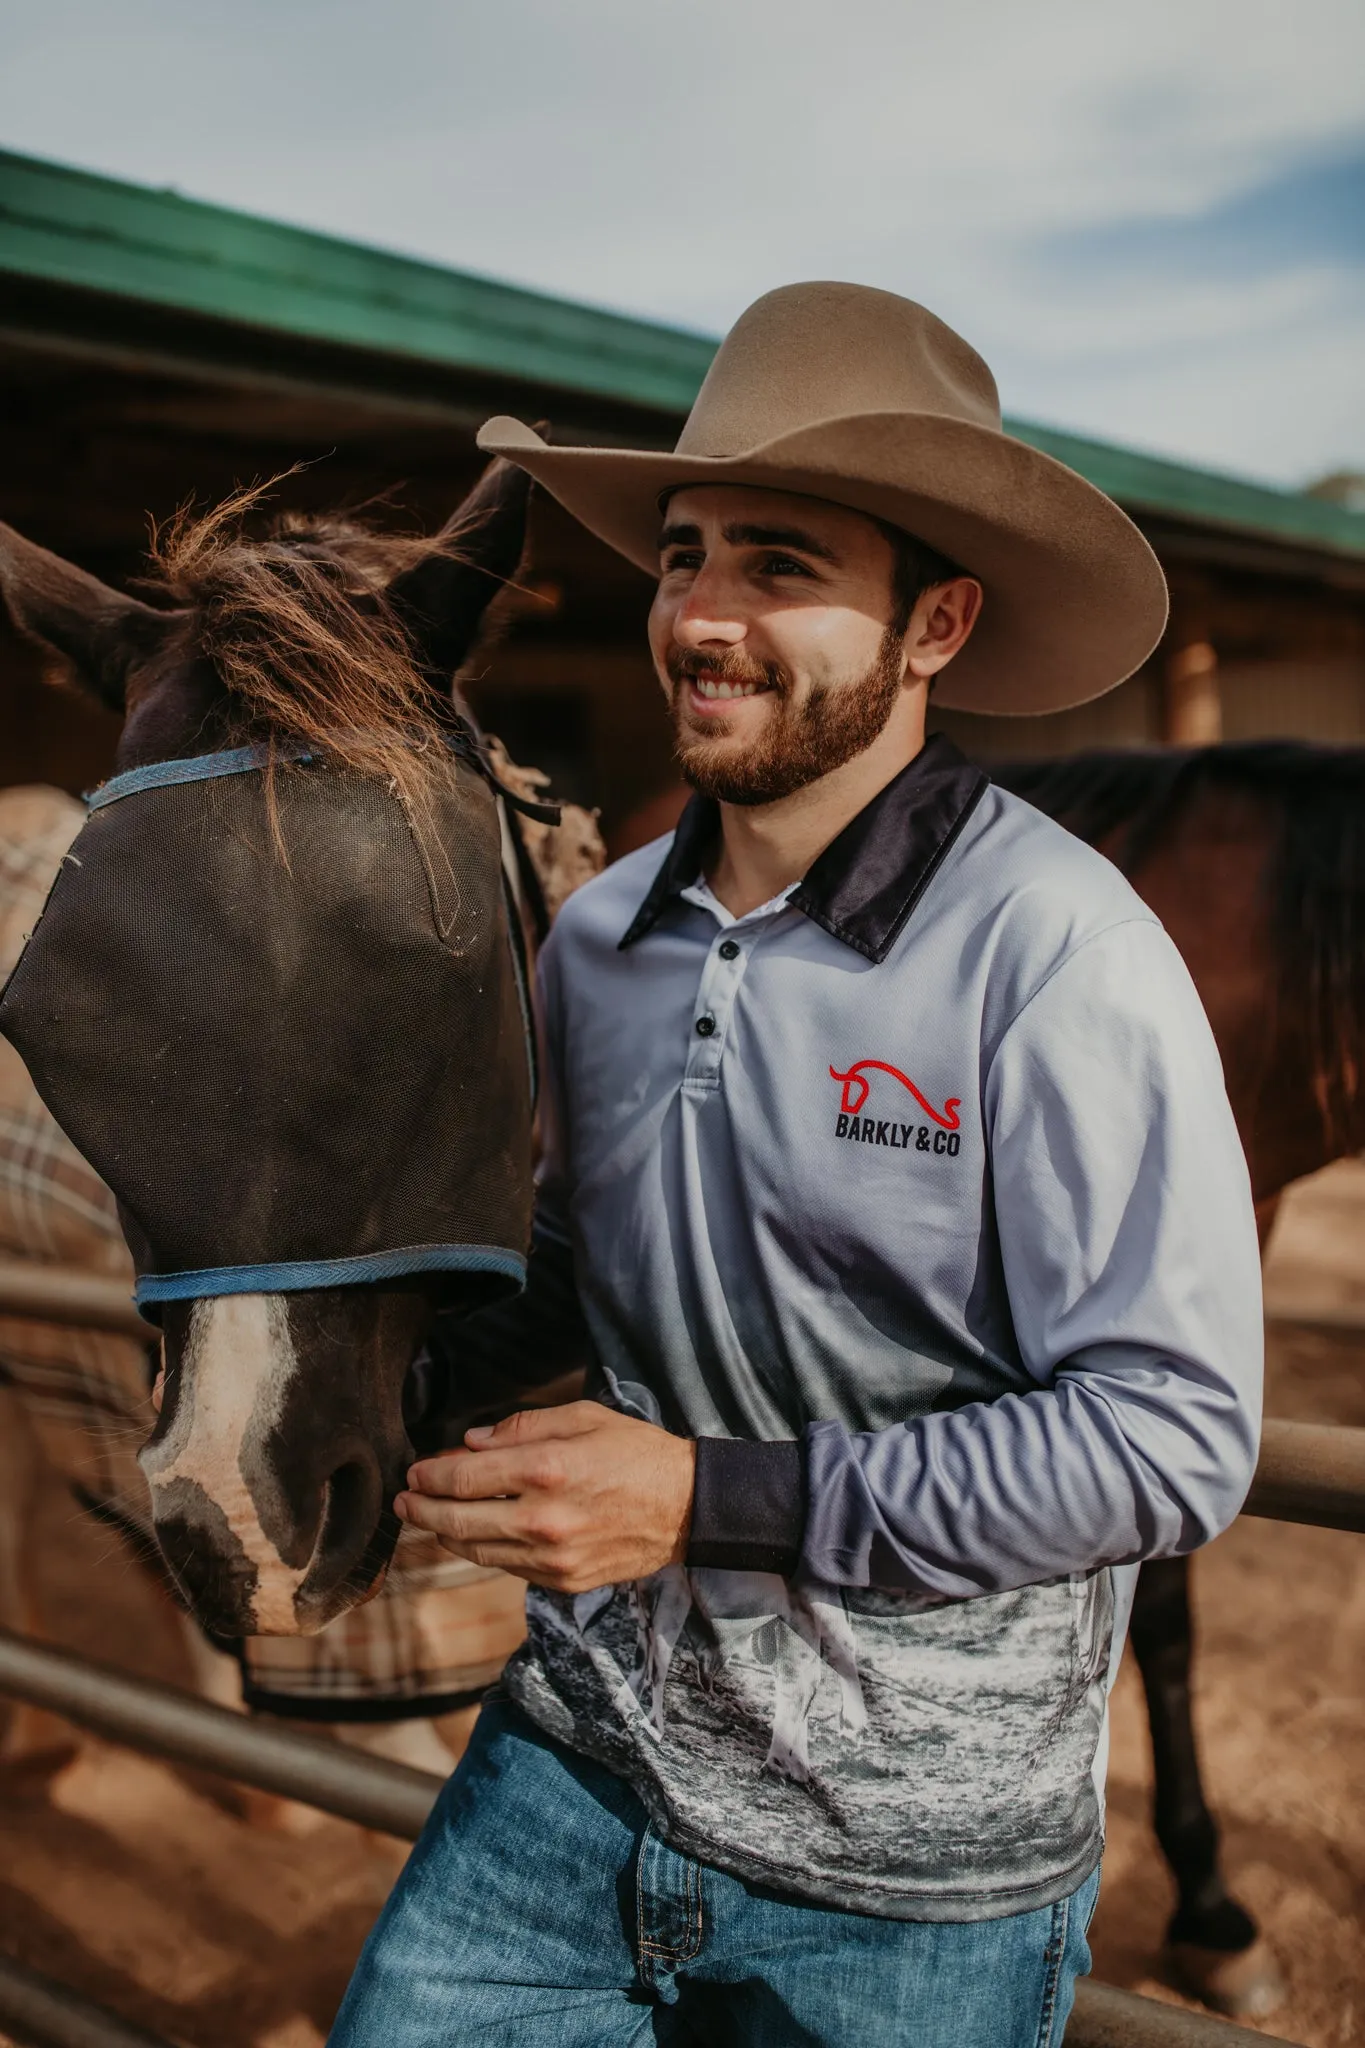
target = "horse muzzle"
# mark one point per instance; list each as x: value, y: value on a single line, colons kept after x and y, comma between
x: 276, y: 1458
x: 237, y: 1583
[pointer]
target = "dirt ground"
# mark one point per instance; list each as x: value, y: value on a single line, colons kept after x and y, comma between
x: 150, y: 1893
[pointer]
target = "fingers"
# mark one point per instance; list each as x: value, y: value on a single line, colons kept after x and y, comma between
x: 462, y: 1521
x: 536, y: 1425
x: 569, y: 1499
x: 489, y: 1475
x: 506, y: 1557
x: 531, y: 1542
x: 509, y: 1442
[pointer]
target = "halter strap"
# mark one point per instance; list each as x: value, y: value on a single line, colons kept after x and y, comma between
x: 464, y: 739
x: 460, y: 735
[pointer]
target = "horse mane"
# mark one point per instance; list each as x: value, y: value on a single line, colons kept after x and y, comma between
x: 298, y: 625
x: 1314, y: 799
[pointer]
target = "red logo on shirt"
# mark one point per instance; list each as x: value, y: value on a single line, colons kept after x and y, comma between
x: 857, y: 1088
x: 871, y: 1130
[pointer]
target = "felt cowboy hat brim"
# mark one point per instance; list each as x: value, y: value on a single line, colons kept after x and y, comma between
x: 1075, y: 599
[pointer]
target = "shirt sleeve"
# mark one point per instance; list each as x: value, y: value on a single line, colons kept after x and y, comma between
x: 486, y: 1362
x: 1133, y: 1273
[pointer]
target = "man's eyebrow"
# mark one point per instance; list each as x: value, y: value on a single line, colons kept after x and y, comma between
x: 743, y: 533
x: 749, y: 534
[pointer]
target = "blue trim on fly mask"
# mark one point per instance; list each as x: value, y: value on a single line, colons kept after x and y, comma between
x: 358, y: 1270
x: 200, y: 768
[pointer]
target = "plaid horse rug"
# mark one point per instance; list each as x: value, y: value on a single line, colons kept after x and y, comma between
x: 440, y: 1629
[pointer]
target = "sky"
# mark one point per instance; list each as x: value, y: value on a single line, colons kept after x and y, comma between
x: 1150, y: 219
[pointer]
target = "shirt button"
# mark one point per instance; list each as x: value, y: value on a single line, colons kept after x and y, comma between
x: 705, y: 1026
x: 729, y: 950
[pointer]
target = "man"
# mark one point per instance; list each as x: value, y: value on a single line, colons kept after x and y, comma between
x: 892, y: 1192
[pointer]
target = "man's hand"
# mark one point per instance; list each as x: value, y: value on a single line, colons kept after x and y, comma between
x: 570, y: 1498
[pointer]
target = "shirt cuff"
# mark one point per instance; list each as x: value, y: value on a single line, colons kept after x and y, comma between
x: 748, y: 1506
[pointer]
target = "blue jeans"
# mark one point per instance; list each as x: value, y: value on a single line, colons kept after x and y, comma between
x: 541, y: 1910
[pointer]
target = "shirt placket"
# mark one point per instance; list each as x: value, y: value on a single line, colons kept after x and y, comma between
x: 722, y: 973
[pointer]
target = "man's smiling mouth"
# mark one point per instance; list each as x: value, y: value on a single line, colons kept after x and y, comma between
x: 709, y: 687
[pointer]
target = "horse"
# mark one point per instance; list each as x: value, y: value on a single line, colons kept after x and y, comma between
x: 290, y: 691
x: 1253, y: 857
x: 74, y: 1406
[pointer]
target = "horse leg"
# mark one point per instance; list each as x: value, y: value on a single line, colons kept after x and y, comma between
x: 1214, y: 1946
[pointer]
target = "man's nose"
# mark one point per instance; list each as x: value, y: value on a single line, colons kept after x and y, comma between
x: 705, y: 617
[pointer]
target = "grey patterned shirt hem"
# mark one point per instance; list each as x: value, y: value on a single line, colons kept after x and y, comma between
x: 817, y: 1743
x: 526, y: 1686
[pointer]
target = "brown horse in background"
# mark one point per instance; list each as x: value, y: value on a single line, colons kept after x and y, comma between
x: 1253, y: 857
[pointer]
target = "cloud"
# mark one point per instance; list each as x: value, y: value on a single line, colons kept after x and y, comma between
x: 1145, y: 218
x: 1211, y: 332
x: 1310, y: 213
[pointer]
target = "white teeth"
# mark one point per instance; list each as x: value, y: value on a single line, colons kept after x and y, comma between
x: 707, y: 686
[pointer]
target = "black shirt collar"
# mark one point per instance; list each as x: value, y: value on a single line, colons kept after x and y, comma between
x: 866, y: 883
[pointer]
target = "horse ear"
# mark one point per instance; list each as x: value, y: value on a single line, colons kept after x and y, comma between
x: 442, y: 601
x: 93, y: 632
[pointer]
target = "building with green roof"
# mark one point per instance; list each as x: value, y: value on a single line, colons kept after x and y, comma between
x: 154, y: 349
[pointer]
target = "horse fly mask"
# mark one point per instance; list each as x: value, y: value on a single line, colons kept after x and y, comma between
x: 296, y: 1046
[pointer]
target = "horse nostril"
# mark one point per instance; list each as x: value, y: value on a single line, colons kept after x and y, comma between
x: 355, y: 1538
x: 350, y: 1508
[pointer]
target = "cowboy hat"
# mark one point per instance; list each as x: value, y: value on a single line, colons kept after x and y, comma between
x: 841, y: 392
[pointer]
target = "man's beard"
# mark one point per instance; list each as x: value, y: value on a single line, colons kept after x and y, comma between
x: 801, y: 742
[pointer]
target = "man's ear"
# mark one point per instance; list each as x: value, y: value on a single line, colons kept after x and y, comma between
x: 442, y: 601
x: 91, y: 632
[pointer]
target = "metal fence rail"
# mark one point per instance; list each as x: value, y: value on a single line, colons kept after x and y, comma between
x: 1310, y: 1472
x: 68, y: 1294
x: 39, y: 2011
x: 1106, y: 2017
x: 160, y: 1721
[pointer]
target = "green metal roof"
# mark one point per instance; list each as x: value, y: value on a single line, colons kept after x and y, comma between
x: 1147, y: 483
x: 72, y: 228
x: 94, y: 234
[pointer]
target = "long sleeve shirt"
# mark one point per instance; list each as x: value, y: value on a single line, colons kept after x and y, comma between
x: 915, y: 1197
